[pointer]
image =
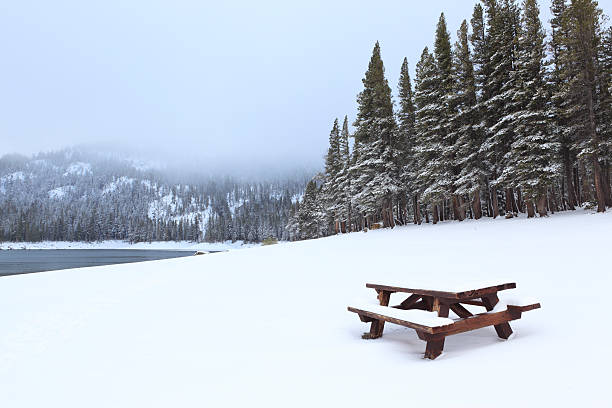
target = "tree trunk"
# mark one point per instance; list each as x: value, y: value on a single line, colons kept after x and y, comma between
x: 588, y: 55
x: 436, y: 215
x: 554, y: 205
x: 599, y: 189
x: 579, y: 199
x: 530, y: 209
x: 508, y: 206
x: 417, y: 210
x: 350, y: 210
x: 403, y: 209
x: 585, y: 193
x: 519, y: 201
x: 571, y: 193
x: 488, y: 199
x: 606, y: 184
x: 458, y: 211
x: 462, y: 207
x: 384, y: 213
x: 511, y: 206
x: 387, y: 213
x: 397, y: 213
x: 476, y: 205
x: 541, y: 205
x: 564, y: 200
x: 494, y: 203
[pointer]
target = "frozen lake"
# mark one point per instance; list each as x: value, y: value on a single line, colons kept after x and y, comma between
x: 20, y: 261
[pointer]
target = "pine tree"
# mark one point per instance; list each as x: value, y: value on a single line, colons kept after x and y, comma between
x: 448, y: 172
x: 582, y: 24
x: 530, y: 162
x: 481, y: 44
x: 311, y: 217
x: 343, y: 204
x: 465, y: 125
x: 563, y: 134
x: 478, y: 39
x: 498, y: 104
x: 375, y: 170
x: 604, y: 110
x: 332, y: 159
x: 406, y: 132
x: 435, y: 148
x: 428, y: 146
x: 333, y: 166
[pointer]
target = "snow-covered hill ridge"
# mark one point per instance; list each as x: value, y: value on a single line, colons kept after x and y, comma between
x: 268, y: 326
x: 79, y: 195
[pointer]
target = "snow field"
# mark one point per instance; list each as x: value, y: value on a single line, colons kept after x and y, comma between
x: 268, y: 326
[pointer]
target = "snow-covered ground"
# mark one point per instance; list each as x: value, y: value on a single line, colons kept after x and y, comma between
x: 159, y: 245
x: 268, y: 326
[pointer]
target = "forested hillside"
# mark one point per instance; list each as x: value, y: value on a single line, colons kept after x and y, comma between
x: 78, y: 195
x: 511, y: 118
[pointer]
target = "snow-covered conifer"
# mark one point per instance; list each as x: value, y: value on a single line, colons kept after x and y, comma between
x: 342, y: 204
x: 503, y: 18
x: 465, y: 125
x: 428, y: 141
x: 376, y: 174
x: 406, y: 136
x: 530, y: 163
x: 311, y: 215
x: 333, y: 165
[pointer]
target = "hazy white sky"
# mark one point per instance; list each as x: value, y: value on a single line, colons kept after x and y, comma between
x: 221, y: 81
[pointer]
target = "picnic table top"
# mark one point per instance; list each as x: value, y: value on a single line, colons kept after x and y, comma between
x: 475, y: 291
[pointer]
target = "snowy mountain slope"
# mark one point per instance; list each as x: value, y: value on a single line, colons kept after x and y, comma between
x: 268, y: 326
x: 79, y: 195
x: 78, y: 169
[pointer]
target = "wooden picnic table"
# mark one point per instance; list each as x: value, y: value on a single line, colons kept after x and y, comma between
x: 442, y: 302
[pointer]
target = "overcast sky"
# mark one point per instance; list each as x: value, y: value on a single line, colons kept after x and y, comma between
x: 206, y: 81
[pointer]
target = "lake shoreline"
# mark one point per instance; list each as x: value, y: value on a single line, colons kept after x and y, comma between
x: 20, y: 261
x: 116, y: 244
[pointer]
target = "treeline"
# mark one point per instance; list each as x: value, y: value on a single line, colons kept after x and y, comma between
x: 77, y: 195
x: 254, y: 212
x: 507, y: 120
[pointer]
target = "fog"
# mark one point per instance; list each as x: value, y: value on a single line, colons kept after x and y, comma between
x: 217, y: 84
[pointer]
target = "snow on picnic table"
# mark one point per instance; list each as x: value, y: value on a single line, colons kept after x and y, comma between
x: 268, y: 326
x: 421, y: 317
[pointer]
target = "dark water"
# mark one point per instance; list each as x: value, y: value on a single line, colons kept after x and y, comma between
x: 19, y: 261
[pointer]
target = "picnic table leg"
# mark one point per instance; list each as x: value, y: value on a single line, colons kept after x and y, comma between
x: 383, y: 297
x: 428, y: 302
x: 440, y: 307
x: 435, y: 344
x: 434, y: 348
x: 503, y: 329
x: 376, y: 329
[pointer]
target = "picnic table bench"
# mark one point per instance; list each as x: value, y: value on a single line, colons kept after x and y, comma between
x: 427, y: 311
